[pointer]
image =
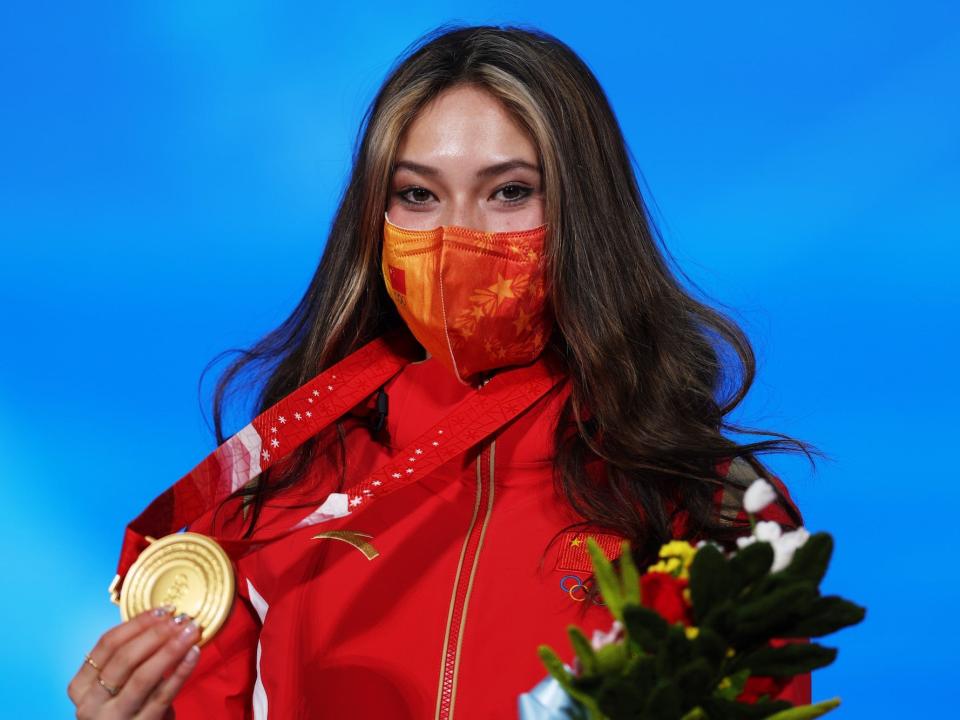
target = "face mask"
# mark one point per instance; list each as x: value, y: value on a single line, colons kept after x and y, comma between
x: 475, y: 300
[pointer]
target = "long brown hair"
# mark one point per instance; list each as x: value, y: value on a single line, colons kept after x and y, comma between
x: 653, y: 371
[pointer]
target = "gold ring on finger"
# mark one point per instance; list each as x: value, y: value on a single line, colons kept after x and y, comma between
x: 109, y: 688
x: 89, y: 660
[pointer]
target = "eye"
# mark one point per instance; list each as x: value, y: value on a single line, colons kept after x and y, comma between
x: 414, y: 195
x: 514, y: 192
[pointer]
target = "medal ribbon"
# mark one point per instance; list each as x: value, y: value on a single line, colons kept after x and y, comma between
x: 309, y: 409
x: 276, y: 432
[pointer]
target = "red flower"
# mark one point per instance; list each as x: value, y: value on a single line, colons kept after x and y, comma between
x: 663, y: 593
x: 759, y: 685
x: 795, y: 689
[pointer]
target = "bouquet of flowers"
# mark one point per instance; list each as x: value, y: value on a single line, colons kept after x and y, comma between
x: 703, y: 634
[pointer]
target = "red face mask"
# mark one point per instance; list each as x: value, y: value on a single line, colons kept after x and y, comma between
x: 475, y: 300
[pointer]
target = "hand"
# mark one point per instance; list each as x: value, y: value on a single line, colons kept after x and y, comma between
x: 133, y: 658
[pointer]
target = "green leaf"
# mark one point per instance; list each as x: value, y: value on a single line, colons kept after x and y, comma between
x: 621, y: 696
x: 631, y: 578
x: 710, y: 646
x: 710, y: 580
x: 695, y: 681
x: 736, y: 682
x: 557, y: 669
x: 803, y: 712
x: 770, y: 614
x: 810, y: 561
x: 554, y: 665
x: 663, y: 702
x: 827, y: 614
x: 791, y: 659
x: 751, y: 563
x: 612, y: 658
x: 720, y: 709
x: 641, y: 673
x: 607, y: 579
x: 675, y: 650
x: 589, y: 684
x: 645, y: 627
x: 722, y: 620
x: 583, y: 649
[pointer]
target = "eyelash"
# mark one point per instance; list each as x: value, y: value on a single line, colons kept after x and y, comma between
x: 527, y: 191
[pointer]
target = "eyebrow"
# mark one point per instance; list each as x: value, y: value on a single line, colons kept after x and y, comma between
x: 486, y: 172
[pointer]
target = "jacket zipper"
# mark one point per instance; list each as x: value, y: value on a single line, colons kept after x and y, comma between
x: 463, y: 584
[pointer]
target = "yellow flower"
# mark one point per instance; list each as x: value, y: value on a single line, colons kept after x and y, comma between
x: 671, y: 566
x: 692, y: 631
x: 676, y: 557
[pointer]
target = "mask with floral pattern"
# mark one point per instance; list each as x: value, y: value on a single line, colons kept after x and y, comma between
x: 475, y: 300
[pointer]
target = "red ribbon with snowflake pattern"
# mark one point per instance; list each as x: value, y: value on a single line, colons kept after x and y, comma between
x: 309, y: 409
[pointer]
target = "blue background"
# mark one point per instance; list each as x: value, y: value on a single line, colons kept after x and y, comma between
x: 168, y: 172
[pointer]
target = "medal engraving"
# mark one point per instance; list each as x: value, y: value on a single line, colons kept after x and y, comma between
x: 187, y: 570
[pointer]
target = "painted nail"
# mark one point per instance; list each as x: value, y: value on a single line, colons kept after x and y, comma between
x: 189, y: 628
x: 163, y: 610
x: 181, y: 618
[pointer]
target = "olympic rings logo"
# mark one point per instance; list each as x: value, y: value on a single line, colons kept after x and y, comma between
x: 571, y: 589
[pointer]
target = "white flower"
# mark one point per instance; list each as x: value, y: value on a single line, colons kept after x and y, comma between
x: 767, y: 531
x: 758, y: 496
x: 601, y: 638
x: 784, y: 544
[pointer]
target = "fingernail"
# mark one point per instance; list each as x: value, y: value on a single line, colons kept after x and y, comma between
x: 181, y: 618
x: 163, y: 610
x: 193, y: 653
x: 189, y: 628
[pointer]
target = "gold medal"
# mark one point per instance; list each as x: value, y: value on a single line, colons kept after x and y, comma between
x: 187, y: 570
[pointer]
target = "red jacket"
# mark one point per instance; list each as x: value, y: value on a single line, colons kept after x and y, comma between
x: 428, y: 605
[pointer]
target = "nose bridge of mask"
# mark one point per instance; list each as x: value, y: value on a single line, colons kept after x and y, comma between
x: 460, y: 232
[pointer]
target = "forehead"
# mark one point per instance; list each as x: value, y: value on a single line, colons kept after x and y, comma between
x: 464, y: 124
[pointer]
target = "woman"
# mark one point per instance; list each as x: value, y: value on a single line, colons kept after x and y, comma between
x: 493, y: 215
